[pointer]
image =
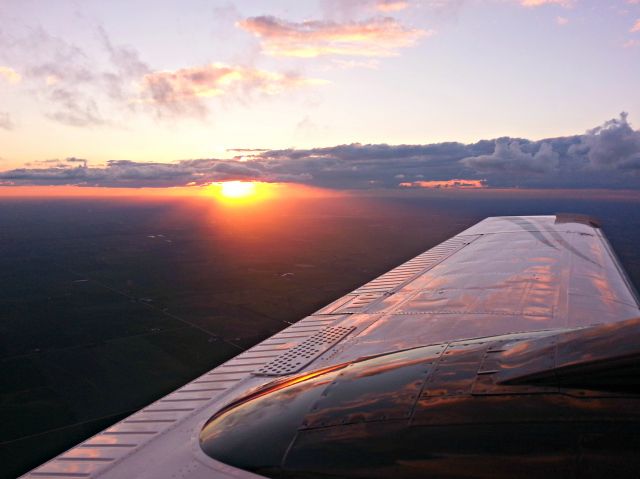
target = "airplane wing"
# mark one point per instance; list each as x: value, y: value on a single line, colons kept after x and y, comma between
x: 532, y: 277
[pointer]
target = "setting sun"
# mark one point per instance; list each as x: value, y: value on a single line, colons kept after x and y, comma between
x: 238, y: 189
x: 236, y: 193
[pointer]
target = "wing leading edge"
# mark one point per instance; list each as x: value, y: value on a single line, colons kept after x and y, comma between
x: 504, y: 275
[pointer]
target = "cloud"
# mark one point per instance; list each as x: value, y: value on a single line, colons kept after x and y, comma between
x: 74, y: 88
x: 57, y: 163
x: 562, y: 21
x: 391, y: 5
x: 127, y: 69
x: 509, y: 158
x: 352, y: 9
x: 539, y: 3
x: 77, y: 160
x: 444, y: 184
x: 9, y: 75
x: 375, y: 37
x: 636, y: 27
x: 73, y: 109
x: 81, y: 90
x: 6, y: 123
x: 125, y: 173
x: 182, y: 91
x: 614, y: 145
x: 607, y: 156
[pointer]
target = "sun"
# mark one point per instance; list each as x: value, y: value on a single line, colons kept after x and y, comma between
x: 238, y: 189
x: 241, y: 193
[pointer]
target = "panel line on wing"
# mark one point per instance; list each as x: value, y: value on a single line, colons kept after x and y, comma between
x: 377, y: 289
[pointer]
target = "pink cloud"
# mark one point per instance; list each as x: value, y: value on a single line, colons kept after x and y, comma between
x: 539, y: 3
x: 376, y: 37
x: 455, y: 183
x: 391, y: 5
x: 184, y: 90
x: 636, y: 27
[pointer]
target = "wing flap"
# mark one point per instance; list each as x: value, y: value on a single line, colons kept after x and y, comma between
x: 605, y: 357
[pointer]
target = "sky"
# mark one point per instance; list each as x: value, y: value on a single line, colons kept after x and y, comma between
x: 331, y: 93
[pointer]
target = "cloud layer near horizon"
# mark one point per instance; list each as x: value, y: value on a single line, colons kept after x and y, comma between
x: 607, y: 156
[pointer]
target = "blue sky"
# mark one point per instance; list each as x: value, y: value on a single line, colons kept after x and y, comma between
x: 165, y: 81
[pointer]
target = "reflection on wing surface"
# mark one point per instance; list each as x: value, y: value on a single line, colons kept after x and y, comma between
x: 437, y: 411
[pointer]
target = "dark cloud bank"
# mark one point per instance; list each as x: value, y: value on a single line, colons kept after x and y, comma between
x: 605, y: 157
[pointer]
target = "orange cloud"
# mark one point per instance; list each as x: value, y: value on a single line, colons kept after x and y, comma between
x: 636, y: 27
x: 455, y: 183
x: 185, y: 88
x: 376, y: 37
x: 9, y: 75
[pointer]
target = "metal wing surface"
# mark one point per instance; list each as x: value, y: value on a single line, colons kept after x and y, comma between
x: 504, y: 275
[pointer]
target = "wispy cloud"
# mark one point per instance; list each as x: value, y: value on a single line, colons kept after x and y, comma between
x: 182, y: 91
x: 74, y: 110
x: 82, y: 90
x: 6, y: 123
x: 539, y: 3
x: 636, y: 27
x: 72, y: 86
x: 375, y: 37
x: 9, y: 75
x: 391, y: 5
x: 352, y: 9
x: 562, y: 21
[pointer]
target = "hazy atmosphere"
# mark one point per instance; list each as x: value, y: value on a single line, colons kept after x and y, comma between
x: 181, y: 180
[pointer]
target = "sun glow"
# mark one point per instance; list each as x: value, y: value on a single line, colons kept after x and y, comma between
x: 241, y: 192
x: 238, y: 189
